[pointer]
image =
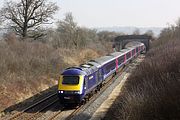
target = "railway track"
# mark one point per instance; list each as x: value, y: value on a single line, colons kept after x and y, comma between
x: 75, y: 112
x: 94, y: 97
x: 35, y: 110
x: 81, y: 108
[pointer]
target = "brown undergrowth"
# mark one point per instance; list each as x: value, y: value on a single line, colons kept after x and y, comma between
x: 27, y: 68
x: 153, y: 90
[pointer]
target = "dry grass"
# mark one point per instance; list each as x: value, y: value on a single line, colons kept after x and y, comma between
x: 152, y: 92
x: 80, y: 56
x: 27, y: 68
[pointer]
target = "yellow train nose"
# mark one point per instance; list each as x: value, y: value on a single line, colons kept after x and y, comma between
x: 70, y: 83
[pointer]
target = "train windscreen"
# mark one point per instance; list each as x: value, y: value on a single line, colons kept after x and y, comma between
x: 70, y: 80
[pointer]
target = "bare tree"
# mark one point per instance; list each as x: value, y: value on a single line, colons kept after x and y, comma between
x: 86, y: 37
x: 68, y: 31
x: 149, y: 32
x: 27, y: 16
x: 136, y: 32
x: 107, y: 36
x: 178, y: 22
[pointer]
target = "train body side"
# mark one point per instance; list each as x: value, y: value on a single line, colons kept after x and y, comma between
x: 92, y: 74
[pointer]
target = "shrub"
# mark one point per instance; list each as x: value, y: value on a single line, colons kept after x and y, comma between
x: 152, y: 91
x: 27, y: 68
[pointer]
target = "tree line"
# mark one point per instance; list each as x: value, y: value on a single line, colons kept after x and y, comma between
x: 29, y: 19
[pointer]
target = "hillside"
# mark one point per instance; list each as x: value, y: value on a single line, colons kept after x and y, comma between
x: 152, y: 91
x: 29, y: 67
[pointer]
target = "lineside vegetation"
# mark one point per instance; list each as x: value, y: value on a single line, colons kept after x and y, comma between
x: 29, y: 66
x: 152, y: 91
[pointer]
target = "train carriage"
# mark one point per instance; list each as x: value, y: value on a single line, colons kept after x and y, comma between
x: 78, y: 82
x: 108, y: 65
x: 120, y: 59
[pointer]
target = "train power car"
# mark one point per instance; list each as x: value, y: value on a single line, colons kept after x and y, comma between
x: 78, y: 83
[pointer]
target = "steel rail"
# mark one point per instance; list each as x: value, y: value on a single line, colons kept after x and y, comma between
x: 92, y: 99
x: 31, y: 106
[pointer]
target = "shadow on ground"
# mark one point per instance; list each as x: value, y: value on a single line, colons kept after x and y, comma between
x: 24, y: 104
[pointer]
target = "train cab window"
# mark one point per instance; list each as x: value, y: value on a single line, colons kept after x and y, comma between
x: 70, y: 80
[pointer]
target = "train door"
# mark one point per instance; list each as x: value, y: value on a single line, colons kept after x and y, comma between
x: 116, y: 64
x: 125, y: 58
x: 85, y: 84
x: 99, y: 75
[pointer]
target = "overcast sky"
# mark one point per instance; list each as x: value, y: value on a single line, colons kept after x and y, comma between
x: 108, y: 13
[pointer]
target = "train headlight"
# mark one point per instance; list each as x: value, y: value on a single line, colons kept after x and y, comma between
x: 60, y: 91
x: 77, y: 92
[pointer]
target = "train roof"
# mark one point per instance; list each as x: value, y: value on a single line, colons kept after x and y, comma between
x: 117, y: 54
x: 125, y: 50
x: 142, y: 44
x: 135, y: 45
x: 103, y: 60
x: 131, y: 48
x: 88, y: 68
x: 94, y: 63
x: 73, y: 71
x: 83, y: 69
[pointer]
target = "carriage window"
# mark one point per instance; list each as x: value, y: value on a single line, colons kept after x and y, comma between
x: 121, y: 60
x: 110, y: 66
x: 133, y: 52
x: 70, y: 80
x: 128, y: 55
x: 137, y: 49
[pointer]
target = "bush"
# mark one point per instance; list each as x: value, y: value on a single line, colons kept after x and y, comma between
x: 27, y: 68
x: 152, y: 91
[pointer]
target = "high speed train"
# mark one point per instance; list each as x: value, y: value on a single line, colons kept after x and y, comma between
x: 78, y: 83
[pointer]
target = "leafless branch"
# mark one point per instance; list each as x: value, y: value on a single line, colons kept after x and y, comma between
x: 28, y: 14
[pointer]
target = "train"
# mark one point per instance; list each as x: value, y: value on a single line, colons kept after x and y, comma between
x: 77, y: 84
